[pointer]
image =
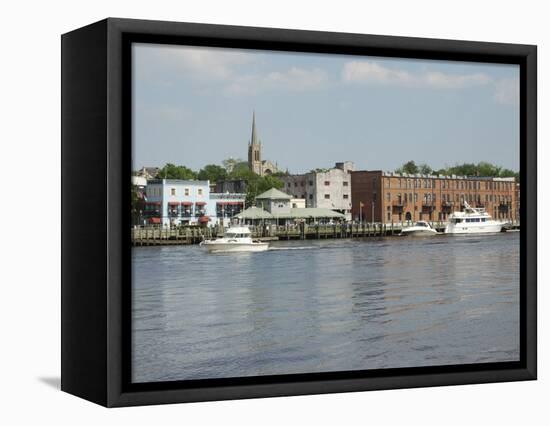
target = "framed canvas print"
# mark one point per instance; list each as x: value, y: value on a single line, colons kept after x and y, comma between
x: 253, y: 212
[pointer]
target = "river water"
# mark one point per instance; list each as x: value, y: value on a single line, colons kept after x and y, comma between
x: 328, y: 305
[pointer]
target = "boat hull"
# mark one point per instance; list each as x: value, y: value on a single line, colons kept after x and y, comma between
x: 235, y: 247
x: 419, y: 232
x: 468, y: 228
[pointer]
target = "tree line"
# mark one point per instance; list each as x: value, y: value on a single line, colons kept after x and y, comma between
x: 231, y: 169
x: 483, y: 168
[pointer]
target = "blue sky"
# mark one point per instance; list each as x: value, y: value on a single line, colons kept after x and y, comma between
x: 193, y: 106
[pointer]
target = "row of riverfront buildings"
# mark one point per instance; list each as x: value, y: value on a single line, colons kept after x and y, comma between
x: 337, y: 193
x: 363, y: 196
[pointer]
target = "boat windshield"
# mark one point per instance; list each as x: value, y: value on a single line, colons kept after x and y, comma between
x: 236, y: 235
x: 424, y: 224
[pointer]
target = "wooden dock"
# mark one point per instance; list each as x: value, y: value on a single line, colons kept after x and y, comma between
x: 156, y: 235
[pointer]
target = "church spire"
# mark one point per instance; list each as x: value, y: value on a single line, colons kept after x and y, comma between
x: 254, y: 137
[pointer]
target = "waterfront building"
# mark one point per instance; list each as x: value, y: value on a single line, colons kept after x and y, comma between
x: 139, y: 181
x: 298, y: 203
x: 232, y: 186
x: 388, y: 197
x: 255, y: 162
x: 329, y: 189
x: 277, y: 207
x: 172, y: 202
x: 274, y: 201
x: 147, y: 172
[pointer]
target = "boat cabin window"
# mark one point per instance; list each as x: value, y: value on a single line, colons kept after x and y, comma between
x: 457, y: 220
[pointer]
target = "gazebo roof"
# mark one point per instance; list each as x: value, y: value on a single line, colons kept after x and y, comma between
x: 254, y: 213
x: 310, y: 213
x: 273, y: 194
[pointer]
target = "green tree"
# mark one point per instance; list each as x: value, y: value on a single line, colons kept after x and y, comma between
x: 257, y: 184
x: 241, y: 171
x: 483, y: 168
x: 137, y: 205
x: 212, y: 172
x: 229, y: 164
x: 409, y: 167
x: 425, y: 169
x: 280, y: 174
x: 171, y: 171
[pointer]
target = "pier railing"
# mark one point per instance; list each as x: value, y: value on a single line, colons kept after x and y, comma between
x: 158, y: 235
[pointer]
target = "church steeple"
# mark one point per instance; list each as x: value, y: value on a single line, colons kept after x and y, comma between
x: 254, y: 137
x: 255, y: 149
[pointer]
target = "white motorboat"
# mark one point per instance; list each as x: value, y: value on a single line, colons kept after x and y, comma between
x: 235, y: 239
x: 472, y: 221
x: 419, y: 229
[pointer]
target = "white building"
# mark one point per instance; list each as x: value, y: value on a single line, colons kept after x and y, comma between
x: 188, y: 202
x: 329, y: 189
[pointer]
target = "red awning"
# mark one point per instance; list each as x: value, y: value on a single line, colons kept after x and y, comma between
x: 155, y: 220
x: 200, y: 203
x: 204, y: 219
x: 173, y: 203
x: 231, y: 203
x: 187, y: 203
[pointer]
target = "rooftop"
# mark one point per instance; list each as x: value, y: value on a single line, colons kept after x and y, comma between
x: 274, y: 194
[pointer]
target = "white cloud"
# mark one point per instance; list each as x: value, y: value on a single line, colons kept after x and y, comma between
x: 294, y: 79
x: 442, y: 80
x: 371, y: 72
x: 507, y: 91
x: 195, y: 62
x: 229, y: 69
x: 374, y: 73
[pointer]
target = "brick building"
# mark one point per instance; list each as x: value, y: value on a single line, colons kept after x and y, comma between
x: 391, y: 197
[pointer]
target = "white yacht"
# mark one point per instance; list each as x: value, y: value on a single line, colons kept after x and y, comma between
x: 472, y: 221
x: 235, y: 239
x: 419, y: 229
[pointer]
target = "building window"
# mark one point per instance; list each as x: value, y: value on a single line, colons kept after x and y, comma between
x: 346, y: 196
x: 295, y: 184
x: 327, y: 183
x: 199, y: 191
x: 172, y: 192
x: 186, y: 191
x: 345, y: 183
x: 288, y: 184
x: 311, y: 196
x: 388, y: 196
x: 327, y: 196
x: 310, y: 183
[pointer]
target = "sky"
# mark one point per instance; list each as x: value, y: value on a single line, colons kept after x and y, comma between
x: 193, y: 106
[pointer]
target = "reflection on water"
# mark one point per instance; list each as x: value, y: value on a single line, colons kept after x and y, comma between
x: 332, y: 305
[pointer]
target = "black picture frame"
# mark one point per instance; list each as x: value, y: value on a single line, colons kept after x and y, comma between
x: 96, y: 165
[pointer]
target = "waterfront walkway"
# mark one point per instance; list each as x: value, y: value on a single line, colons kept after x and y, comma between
x: 155, y: 235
